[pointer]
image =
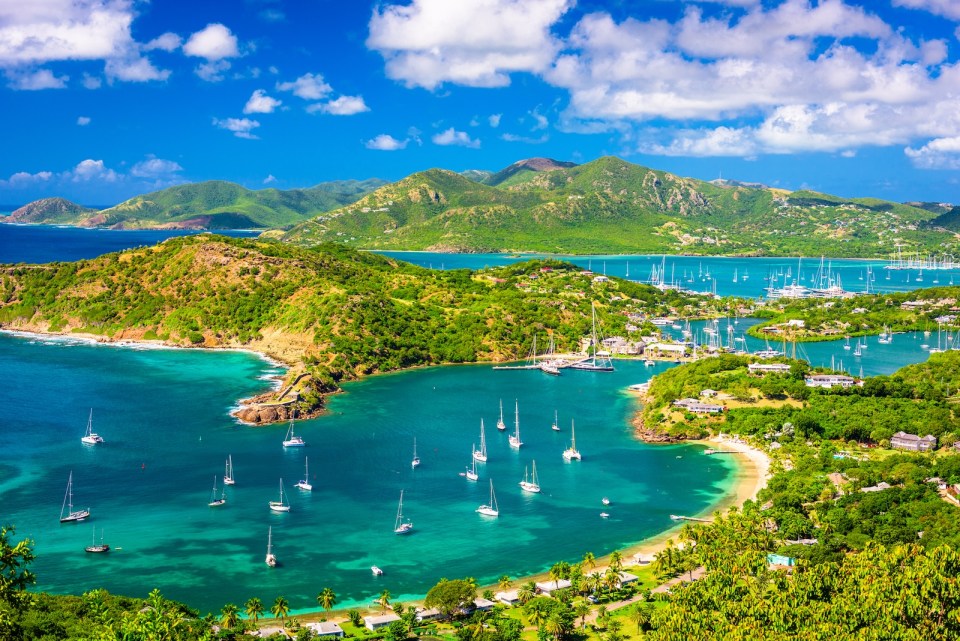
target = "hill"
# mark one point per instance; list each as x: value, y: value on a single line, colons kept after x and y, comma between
x: 612, y: 206
x: 50, y: 211
x: 331, y: 312
x: 207, y: 205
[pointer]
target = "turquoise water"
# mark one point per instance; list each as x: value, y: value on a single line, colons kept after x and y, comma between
x: 163, y: 414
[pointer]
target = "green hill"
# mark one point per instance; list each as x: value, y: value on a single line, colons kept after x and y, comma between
x: 612, y: 206
x: 213, y: 204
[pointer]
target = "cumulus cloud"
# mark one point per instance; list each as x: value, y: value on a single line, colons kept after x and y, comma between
x: 471, y: 42
x: 91, y: 82
x: 525, y: 139
x: 308, y: 86
x: 261, y: 103
x: 946, y: 8
x: 23, y: 179
x: 453, y: 137
x: 386, y: 142
x: 37, y: 80
x: 155, y: 168
x: 494, y: 120
x: 270, y: 179
x: 164, y: 42
x: 134, y: 69
x: 941, y: 153
x: 241, y: 127
x: 342, y: 106
x: 83, y: 121
x: 213, y: 42
x: 92, y: 170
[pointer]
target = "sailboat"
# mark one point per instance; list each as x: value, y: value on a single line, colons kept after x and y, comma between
x: 228, y: 471
x: 886, y: 336
x: 746, y: 274
x: 72, y: 515
x: 400, y: 526
x: 735, y: 278
x: 481, y: 454
x: 490, y: 509
x: 599, y: 360
x: 572, y: 452
x: 856, y: 350
x: 292, y: 440
x: 271, y: 559
x: 91, y: 437
x: 214, y: 501
x: 514, y: 438
x: 846, y: 345
x: 416, y: 459
x: 305, y: 483
x: 500, y: 424
x: 532, y: 485
x: 556, y: 426
x: 93, y: 547
x: 281, y: 505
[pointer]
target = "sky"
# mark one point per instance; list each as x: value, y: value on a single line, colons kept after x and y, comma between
x: 101, y: 100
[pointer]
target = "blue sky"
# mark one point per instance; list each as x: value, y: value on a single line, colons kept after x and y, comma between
x: 104, y: 99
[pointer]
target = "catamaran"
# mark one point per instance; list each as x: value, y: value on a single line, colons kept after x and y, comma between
x: 572, y: 452
x: 514, y: 438
x: 271, y: 559
x: 400, y: 526
x: 292, y: 440
x: 500, y: 424
x: 281, y: 505
x: 228, y: 471
x: 72, y: 515
x: 93, y: 547
x: 491, y: 508
x: 214, y: 501
x: 533, y: 484
x: 481, y: 454
x: 599, y: 360
x: 416, y: 459
x: 305, y: 483
x: 91, y: 437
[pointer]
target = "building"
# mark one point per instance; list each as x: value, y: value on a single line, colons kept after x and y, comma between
x: 548, y: 587
x: 326, y: 629
x: 830, y: 380
x: 428, y: 615
x: 510, y: 597
x: 912, y: 442
x: 378, y: 621
x: 484, y: 605
x: 768, y: 368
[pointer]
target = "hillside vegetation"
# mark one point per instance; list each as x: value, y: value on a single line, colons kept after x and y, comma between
x: 612, y: 206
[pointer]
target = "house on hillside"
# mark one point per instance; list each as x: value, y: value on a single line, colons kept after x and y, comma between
x: 378, y: 621
x: 830, y: 380
x: 912, y: 442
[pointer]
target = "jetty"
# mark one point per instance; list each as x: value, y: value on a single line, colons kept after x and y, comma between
x: 690, y: 518
x: 713, y: 451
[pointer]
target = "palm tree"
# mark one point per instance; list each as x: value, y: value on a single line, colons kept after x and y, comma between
x: 527, y: 591
x: 229, y: 616
x: 559, y: 571
x: 640, y: 614
x: 554, y: 626
x: 327, y: 599
x: 589, y: 560
x: 280, y: 609
x: 503, y: 583
x: 537, y: 611
x: 254, y: 609
x: 616, y: 560
x: 581, y: 608
x: 384, y: 599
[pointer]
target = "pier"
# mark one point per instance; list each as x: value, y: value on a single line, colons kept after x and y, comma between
x: 690, y: 518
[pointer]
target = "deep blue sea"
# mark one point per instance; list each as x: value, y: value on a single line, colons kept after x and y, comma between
x: 165, y: 417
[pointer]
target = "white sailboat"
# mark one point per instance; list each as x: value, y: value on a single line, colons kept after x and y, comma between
x: 856, y: 350
x: 532, y: 485
x: 281, y: 505
x: 94, y: 547
x: 91, y: 437
x: 599, y: 360
x: 292, y: 440
x: 471, y: 472
x: 481, y: 454
x: 72, y: 515
x: 491, y: 508
x: 514, y: 438
x: 572, y: 453
x: 846, y: 345
x: 214, y: 501
x: 400, y: 526
x: 271, y: 559
x: 556, y: 426
x: 228, y: 471
x: 416, y: 459
x: 305, y: 483
x: 500, y: 424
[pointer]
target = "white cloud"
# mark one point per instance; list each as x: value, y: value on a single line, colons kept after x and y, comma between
x: 342, y: 106
x: 37, y: 80
x: 386, y: 142
x: 261, y: 103
x: 525, y: 139
x: 470, y: 42
x: 454, y: 137
x: 940, y: 153
x: 494, y: 120
x: 212, y: 71
x: 269, y: 180
x: 134, y: 69
x: 155, y: 168
x: 241, y: 127
x: 23, y: 179
x: 540, y: 120
x: 91, y: 82
x: 213, y: 42
x: 308, y: 86
x: 92, y: 170
x: 166, y: 42
x: 946, y: 8
x: 83, y: 121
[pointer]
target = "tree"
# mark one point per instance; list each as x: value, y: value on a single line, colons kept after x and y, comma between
x: 396, y: 631
x: 14, y: 576
x: 581, y: 608
x: 450, y: 596
x: 229, y: 616
x: 384, y: 599
x: 640, y: 614
x: 503, y: 583
x: 254, y: 609
x: 280, y: 609
x: 327, y: 599
x: 589, y: 561
x: 355, y: 618
x: 527, y: 591
x: 559, y: 571
x: 616, y: 560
